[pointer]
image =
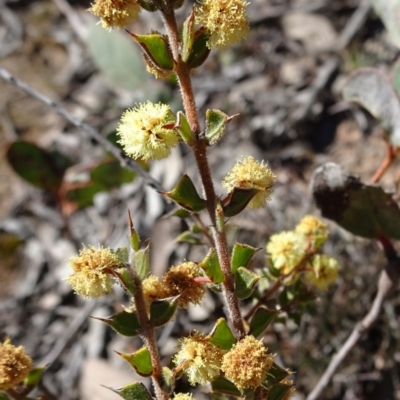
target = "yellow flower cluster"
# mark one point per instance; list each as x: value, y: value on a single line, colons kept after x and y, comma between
x: 178, y: 281
x: 115, y: 13
x: 247, y: 363
x: 92, y: 275
x: 15, y: 365
x: 225, y: 21
x: 199, y: 358
x: 183, y: 396
x: 324, y: 271
x: 251, y: 174
x: 143, y: 133
x: 294, y: 252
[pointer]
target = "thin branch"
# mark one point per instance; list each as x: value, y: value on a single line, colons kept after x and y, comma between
x: 69, y: 335
x: 199, y: 148
x: 204, y: 229
x: 387, y: 162
x: 387, y: 280
x: 93, y: 133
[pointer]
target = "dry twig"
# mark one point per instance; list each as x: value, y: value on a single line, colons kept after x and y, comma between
x: 387, y: 281
x: 93, y: 133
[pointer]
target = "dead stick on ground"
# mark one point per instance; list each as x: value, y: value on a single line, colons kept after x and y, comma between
x: 93, y: 133
x: 385, y: 284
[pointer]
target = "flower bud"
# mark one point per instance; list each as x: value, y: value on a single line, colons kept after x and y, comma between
x: 180, y: 280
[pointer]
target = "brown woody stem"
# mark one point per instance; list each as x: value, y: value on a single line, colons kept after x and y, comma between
x: 148, y: 335
x: 200, y: 152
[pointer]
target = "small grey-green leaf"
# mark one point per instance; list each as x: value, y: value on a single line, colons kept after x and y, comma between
x: 117, y: 57
x: 389, y: 12
x: 372, y: 90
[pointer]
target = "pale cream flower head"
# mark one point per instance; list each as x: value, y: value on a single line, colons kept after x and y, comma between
x: 92, y: 275
x: 200, y: 359
x: 325, y: 271
x: 225, y: 21
x: 314, y: 229
x: 143, y: 133
x: 115, y: 13
x: 183, y: 396
x: 286, y: 249
x: 248, y: 173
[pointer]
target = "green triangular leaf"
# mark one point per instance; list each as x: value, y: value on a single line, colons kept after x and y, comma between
x: 241, y: 256
x: 134, y: 391
x: 162, y: 311
x: 222, y: 336
x: 189, y: 237
x: 125, y: 278
x: 142, y: 263
x: 34, y: 376
x: 140, y: 361
x: 275, y: 375
x: 183, y: 128
x: 278, y: 392
x: 211, y: 267
x: 245, y: 282
x: 187, y: 36
x: 155, y: 46
x: 199, y: 51
x: 222, y: 385
x: 125, y: 323
x: 237, y: 201
x: 185, y: 194
x: 215, y: 125
x: 260, y: 321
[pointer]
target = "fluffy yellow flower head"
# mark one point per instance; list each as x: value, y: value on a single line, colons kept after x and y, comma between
x: 115, y: 13
x: 92, y: 272
x: 247, y: 363
x: 313, y: 228
x: 153, y: 289
x: 179, y: 280
x: 324, y: 271
x: 286, y: 250
x: 15, y: 365
x: 225, y: 21
x: 143, y: 134
x: 251, y: 174
x: 183, y: 396
x: 199, y: 358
